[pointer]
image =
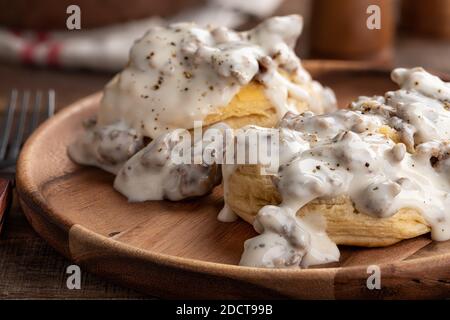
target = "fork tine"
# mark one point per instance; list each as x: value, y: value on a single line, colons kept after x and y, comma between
x: 15, y: 146
x: 35, y: 113
x: 51, y: 103
x: 8, y: 123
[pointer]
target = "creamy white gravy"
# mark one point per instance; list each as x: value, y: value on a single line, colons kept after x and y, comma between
x: 154, y: 174
x: 344, y: 152
x: 180, y: 73
x: 107, y: 147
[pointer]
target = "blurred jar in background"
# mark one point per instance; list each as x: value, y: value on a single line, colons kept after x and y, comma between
x: 426, y: 18
x: 339, y: 30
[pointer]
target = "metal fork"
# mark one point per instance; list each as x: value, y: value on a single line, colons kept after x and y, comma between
x: 18, y: 125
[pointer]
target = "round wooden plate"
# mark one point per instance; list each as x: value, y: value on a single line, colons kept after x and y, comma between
x: 179, y: 249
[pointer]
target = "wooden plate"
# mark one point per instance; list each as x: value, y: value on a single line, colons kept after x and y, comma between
x: 179, y: 249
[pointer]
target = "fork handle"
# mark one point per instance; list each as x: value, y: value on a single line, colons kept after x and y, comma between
x: 5, y: 199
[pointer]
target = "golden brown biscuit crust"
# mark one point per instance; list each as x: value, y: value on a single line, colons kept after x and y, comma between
x: 248, y: 191
x: 249, y: 106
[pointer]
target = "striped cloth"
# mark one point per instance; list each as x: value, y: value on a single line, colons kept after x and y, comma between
x: 107, y: 48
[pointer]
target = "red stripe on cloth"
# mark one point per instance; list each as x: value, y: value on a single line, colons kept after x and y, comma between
x: 27, y: 52
x: 42, y: 36
x: 53, y: 54
x: 15, y: 32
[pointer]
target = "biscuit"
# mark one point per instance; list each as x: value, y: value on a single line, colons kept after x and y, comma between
x: 248, y: 191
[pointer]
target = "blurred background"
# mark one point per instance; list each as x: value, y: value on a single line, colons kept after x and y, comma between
x: 37, y: 51
x: 413, y: 32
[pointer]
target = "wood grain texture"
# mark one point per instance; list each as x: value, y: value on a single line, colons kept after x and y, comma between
x: 179, y: 249
x: 5, y: 199
x: 31, y: 269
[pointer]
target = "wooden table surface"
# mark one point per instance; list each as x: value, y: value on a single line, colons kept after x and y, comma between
x: 29, y: 267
